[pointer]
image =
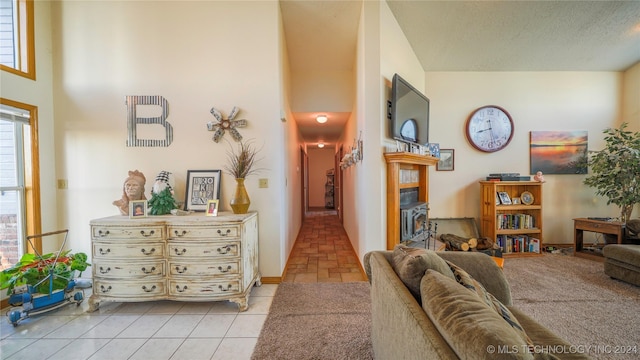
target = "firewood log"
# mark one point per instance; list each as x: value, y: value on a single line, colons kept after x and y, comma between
x: 485, y: 243
x: 455, y: 242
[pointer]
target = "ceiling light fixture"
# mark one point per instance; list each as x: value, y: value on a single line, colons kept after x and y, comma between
x: 321, y: 119
x: 320, y: 145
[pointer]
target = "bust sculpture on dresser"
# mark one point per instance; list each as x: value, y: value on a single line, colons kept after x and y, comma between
x: 132, y: 189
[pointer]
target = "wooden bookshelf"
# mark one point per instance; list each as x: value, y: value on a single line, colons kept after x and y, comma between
x: 515, y: 221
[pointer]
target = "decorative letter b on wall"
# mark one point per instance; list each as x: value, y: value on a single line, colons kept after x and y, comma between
x: 133, y: 120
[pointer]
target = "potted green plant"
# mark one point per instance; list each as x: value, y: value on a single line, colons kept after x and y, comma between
x: 241, y: 163
x: 615, y: 170
x: 33, y: 269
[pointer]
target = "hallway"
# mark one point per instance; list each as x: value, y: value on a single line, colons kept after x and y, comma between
x: 322, y: 252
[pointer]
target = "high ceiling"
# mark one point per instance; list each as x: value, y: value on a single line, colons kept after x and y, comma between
x: 470, y: 36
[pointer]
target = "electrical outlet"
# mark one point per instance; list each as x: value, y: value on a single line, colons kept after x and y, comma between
x: 63, y: 184
x: 263, y: 183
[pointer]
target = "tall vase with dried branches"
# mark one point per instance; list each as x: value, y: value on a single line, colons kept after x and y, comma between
x: 241, y: 163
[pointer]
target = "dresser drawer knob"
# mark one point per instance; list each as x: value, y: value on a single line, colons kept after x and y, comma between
x: 148, y: 252
x: 104, y: 271
x: 224, y: 270
x: 223, y: 289
x: 105, y: 289
x: 179, y: 252
x: 181, y: 271
x: 104, y: 252
x: 147, y: 234
x: 225, y: 249
x: 144, y: 270
x: 178, y: 289
x: 180, y: 234
x: 103, y: 233
x: 144, y: 287
x: 225, y: 233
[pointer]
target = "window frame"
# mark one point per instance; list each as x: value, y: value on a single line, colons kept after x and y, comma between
x: 26, y: 41
x: 33, y: 220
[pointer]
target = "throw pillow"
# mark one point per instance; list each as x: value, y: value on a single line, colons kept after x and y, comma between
x: 466, y: 280
x: 470, y: 328
x: 410, y: 264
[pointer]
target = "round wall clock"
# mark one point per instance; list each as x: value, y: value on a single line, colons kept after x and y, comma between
x: 489, y: 128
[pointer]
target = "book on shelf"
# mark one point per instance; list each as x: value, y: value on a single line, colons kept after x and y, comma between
x: 515, y: 221
x: 518, y: 244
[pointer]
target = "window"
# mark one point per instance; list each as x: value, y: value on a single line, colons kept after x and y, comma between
x: 19, y: 180
x: 17, y: 47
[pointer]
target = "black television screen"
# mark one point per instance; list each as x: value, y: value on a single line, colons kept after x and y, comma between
x: 409, y: 113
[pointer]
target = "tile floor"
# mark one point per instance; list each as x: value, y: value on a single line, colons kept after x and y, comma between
x: 180, y: 330
x: 149, y: 330
x: 322, y: 252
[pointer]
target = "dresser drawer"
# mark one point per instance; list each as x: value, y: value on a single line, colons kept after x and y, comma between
x: 129, y: 233
x: 203, y: 288
x: 138, y: 289
x: 108, y: 250
x: 129, y: 269
x: 195, y: 232
x: 218, y: 249
x: 204, y: 268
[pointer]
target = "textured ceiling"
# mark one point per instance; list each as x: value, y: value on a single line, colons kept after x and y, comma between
x: 471, y: 36
x: 521, y: 35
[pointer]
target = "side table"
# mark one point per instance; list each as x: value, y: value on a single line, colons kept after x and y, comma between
x: 598, y: 226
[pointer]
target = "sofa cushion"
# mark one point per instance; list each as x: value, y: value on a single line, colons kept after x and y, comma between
x: 466, y: 280
x: 410, y: 264
x: 469, y: 326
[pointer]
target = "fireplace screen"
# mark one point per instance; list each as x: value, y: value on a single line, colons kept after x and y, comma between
x: 414, y: 221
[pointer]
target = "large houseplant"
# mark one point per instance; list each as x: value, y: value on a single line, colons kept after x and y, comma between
x: 615, y: 170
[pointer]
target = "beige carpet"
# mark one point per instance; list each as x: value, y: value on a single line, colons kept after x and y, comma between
x: 575, y: 299
x: 317, y: 321
x: 571, y: 296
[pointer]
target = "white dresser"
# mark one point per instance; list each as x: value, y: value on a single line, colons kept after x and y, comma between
x: 183, y: 258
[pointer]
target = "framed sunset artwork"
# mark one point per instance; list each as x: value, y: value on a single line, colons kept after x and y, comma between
x: 558, y: 152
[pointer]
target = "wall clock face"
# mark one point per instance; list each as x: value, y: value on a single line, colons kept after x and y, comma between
x: 489, y: 128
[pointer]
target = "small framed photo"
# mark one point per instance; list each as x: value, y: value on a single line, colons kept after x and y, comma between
x: 212, y: 207
x: 446, y: 161
x: 137, y: 208
x: 515, y: 201
x: 201, y: 186
x: 504, y: 198
x: 434, y: 149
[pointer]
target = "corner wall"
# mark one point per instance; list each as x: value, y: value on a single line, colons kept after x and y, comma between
x: 214, y: 54
x: 537, y: 101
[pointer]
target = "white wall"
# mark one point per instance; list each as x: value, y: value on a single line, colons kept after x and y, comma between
x: 197, y: 55
x: 291, y: 219
x: 631, y: 97
x: 537, y: 101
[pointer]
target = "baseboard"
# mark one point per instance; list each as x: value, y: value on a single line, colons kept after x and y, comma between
x: 271, y: 280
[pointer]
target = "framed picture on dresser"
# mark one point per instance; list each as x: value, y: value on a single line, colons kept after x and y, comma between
x: 202, y: 186
x: 137, y: 208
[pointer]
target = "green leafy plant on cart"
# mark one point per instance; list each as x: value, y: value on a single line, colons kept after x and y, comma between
x: 33, y: 269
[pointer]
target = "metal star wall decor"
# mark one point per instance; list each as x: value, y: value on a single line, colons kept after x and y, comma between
x: 221, y: 125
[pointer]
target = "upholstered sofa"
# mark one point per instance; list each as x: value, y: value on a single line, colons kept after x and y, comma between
x: 622, y: 262
x: 401, y: 320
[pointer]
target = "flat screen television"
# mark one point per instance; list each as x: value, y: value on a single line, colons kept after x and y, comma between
x: 409, y: 113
